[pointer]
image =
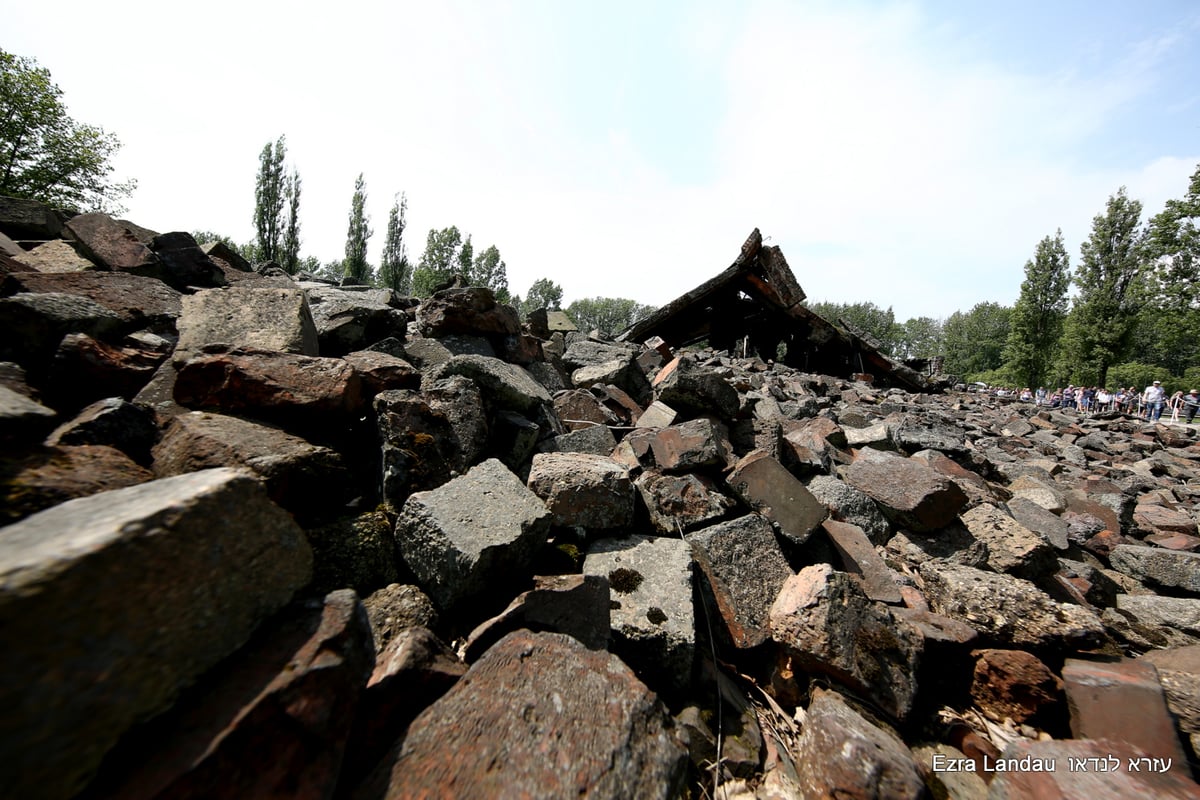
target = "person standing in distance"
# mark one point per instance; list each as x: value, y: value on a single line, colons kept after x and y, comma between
x: 1153, y: 399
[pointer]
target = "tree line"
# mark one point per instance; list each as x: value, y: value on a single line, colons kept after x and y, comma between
x: 1133, y: 317
x: 449, y: 254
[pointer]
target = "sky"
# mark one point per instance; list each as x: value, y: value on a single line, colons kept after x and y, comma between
x: 908, y: 154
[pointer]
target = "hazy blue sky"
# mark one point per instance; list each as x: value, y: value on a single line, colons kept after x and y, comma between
x: 907, y: 153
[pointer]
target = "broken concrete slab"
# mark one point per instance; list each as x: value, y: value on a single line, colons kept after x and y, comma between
x: 766, y: 486
x: 681, y: 502
x: 1159, y: 567
x: 653, y: 619
x: 695, y: 444
x: 828, y: 625
x: 744, y: 569
x: 583, y: 490
x: 458, y: 537
x: 1006, y: 610
x: 860, y: 559
x: 850, y: 505
x: 911, y: 494
x: 285, y: 700
x: 267, y: 319
x: 306, y: 479
x: 1011, y: 546
x: 215, y: 542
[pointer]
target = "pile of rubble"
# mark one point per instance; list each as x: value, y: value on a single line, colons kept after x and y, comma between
x: 270, y: 537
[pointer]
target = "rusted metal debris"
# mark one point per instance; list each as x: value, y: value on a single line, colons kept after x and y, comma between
x: 757, y: 305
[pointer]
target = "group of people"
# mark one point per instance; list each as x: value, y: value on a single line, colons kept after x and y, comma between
x: 1148, y: 404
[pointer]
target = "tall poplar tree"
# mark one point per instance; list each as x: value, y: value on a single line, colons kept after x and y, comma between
x: 394, y: 270
x: 290, y: 255
x: 1037, y: 319
x: 269, y: 199
x: 1100, y: 323
x: 355, y: 266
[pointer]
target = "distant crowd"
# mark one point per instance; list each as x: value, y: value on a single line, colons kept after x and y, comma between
x: 1149, y: 403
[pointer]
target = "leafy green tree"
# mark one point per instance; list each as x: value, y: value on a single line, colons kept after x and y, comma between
x: 441, y: 257
x: 866, y: 317
x: 1037, y: 318
x: 544, y: 293
x: 394, y: 270
x: 489, y: 270
x: 1140, y: 375
x: 45, y: 155
x: 466, y: 256
x: 974, y: 341
x: 290, y: 253
x: 205, y: 237
x: 1165, y: 332
x: 269, y: 199
x: 1100, y: 323
x: 610, y: 315
x: 355, y: 266
x: 918, y: 337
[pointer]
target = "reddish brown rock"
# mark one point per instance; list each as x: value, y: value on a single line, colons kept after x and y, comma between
x: 826, y: 624
x: 1014, y: 684
x: 860, y: 559
x: 767, y: 487
x: 489, y: 735
x: 841, y: 754
x: 911, y: 494
x: 380, y: 371
x: 1121, y: 700
x: 472, y: 311
x: 85, y: 369
x: 1154, y: 518
x: 139, y: 302
x: 48, y: 476
x: 575, y: 605
x: 690, y: 445
x: 579, y: 409
x: 1091, y: 769
x: 114, y: 244
x: 744, y: 569
x: 1174, y: 541
x: 413, y: 671
x: 276, y: 386
x: 270, y: 722
x: 681, y: 501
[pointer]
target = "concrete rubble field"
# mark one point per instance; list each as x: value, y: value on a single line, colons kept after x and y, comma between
x: 266, y: 536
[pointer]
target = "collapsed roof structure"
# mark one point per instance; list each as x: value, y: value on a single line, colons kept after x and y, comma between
x: 757, y: 305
